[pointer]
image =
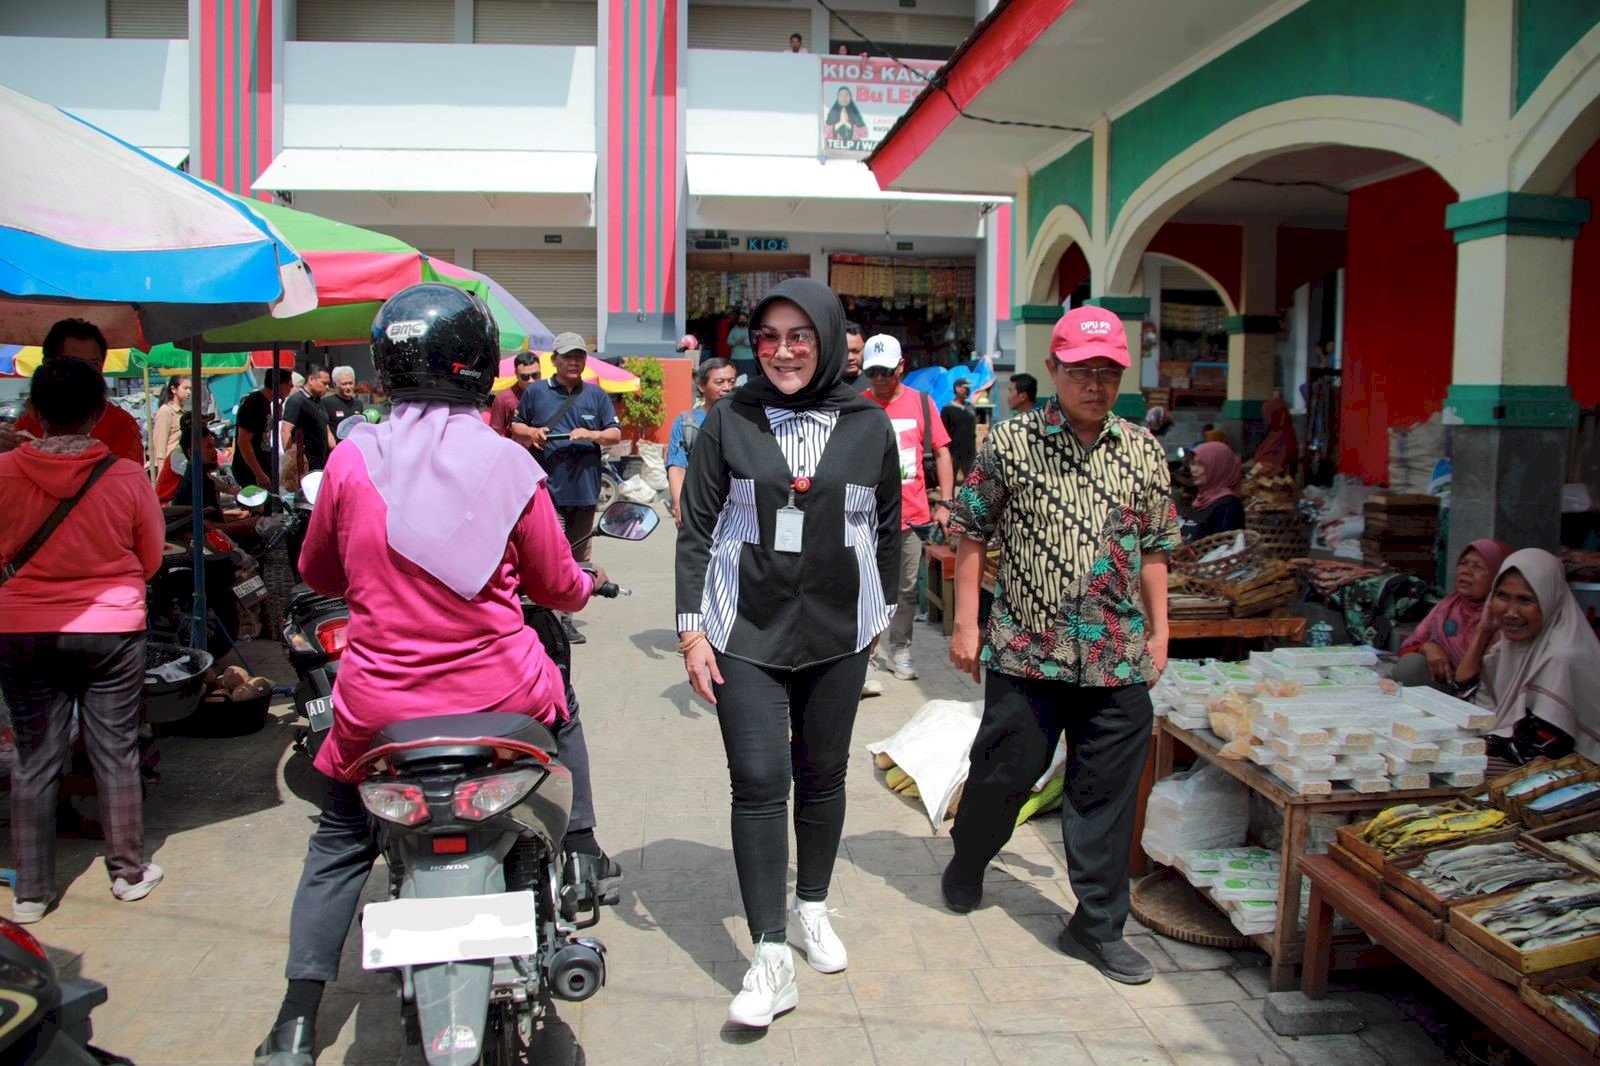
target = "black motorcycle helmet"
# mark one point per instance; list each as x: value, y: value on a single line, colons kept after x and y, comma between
x: 436, y: 342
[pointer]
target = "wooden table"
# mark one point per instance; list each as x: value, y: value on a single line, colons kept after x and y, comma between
x: 1495, y: 1003
x: 941, y: 590
x: 1284, y: 944
x: 1291, y: 629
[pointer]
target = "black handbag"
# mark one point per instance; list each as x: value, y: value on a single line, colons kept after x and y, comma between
x: 1532, y: 738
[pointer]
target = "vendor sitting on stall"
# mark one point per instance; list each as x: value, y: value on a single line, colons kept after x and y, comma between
x: 1217, y: 474
x: 1537, y: 664
x: 236, y: 523
x: 1434, y: 650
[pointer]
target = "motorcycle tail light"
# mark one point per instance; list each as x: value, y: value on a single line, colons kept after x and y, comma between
x: 297, y: 643
x: 22, y: 938
x: 483, y: 797
x: 334, y: 635
x: 392, y: 801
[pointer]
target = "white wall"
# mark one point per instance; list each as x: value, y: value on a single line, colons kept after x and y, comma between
x: 135, y: 89
x: 438, y: 96
x: 52, y: 18
x: 753, y: 103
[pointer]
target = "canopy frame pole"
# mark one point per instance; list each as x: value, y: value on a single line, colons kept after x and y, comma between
x: 199, y: 625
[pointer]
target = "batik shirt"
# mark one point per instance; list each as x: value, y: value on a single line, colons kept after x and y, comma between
x: 1074, y: 524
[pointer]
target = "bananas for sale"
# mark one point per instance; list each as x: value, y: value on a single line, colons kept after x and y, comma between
x: 900, y: 781
x: 1410, y: 827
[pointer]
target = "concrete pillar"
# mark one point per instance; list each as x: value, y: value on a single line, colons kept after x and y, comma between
x: 1133, y: 311
x: 1033, y: 323
x: 1253, y: 338
x: 1509, y: 402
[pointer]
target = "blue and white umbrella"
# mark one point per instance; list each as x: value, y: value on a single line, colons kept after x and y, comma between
x: 92, y: 227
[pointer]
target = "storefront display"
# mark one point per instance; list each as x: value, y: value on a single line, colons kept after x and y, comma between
x: 929, y: 305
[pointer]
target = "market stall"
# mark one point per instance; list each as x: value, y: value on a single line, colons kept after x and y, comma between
x: 929, y: 305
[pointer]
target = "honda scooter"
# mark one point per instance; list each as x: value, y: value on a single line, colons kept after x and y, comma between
x: 44, y: 1020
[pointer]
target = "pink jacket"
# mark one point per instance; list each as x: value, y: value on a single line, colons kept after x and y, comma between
x: 415, y: 647
x: 90, y: 575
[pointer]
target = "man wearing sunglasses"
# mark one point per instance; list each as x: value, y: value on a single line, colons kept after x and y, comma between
x: 504, y: 408
x: 1080, y: 502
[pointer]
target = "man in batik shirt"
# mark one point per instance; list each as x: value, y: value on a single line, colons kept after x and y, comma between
x: 1080, y: 501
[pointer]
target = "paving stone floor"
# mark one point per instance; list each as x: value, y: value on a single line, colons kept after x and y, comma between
x: 194, y: 971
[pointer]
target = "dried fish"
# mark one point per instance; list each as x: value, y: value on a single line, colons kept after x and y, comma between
x: 1483, y: 869
x: 1580, y: 1009
x: 1581, y: 848
x: 1540, y: 779
x: 1543, y: 915
x: 1580, y: 795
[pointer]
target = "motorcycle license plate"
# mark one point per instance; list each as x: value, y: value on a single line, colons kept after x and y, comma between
x: 320, y: 714
x: 420, y: 932
x: 250, y: 591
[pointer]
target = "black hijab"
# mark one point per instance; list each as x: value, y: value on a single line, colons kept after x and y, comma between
x: 826, y: 391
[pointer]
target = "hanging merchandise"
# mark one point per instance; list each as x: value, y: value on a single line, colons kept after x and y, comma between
x: 711, y: 292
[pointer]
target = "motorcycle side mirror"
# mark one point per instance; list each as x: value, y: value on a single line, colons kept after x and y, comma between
x: 310, y: 485
x: 347, y: 427
x: 629, y: 521
x: 1183, y: 455
x: 253, y: 496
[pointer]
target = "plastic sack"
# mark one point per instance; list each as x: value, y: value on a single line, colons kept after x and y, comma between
x: 933, y: 747
x: 635, y: 490
x: 1233, y: 718
x: 655, y: 465
x: 1204, y: 808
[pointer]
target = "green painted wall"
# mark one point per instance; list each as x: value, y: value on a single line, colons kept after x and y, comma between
x: 1546, y: 30
x: 1411, y: 51
x: 1069, y: 180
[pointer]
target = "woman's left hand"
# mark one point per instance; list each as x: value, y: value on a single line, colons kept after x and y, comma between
x: 701, y: 662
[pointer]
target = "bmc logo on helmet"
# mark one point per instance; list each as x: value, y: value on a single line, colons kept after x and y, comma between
x: 405, y: 331
x: 1095, y: 326
x: 461, y: 370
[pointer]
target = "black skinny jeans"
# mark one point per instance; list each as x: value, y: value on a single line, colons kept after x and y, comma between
x: 781, y: 727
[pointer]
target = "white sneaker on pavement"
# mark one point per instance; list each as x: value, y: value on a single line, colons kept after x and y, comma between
x: 901, y: 664
x: 812, y: 933
x: 769, y: 988
x: 871, y: 686
x: 28, y: 911
x: 127, y: 892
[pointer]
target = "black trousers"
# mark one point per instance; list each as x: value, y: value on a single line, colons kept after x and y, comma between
x: 345, y: 845
x: 1108, y: 737
x: 783, y: 729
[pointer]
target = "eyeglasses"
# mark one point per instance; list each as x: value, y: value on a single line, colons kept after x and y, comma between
x: 798, y: 341
x: 1082, y: 375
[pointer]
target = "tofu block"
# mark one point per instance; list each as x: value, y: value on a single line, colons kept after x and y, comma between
x: 1262, y: 755
x: 1369, y: 763
x: 1304, y: 675
x: 1287, y: 747
x: 1460, y: 780
x: 1306, y: 761
x: 1429, y: 728
x: 1302, y: 782
x: 1459, y: 713
x: 1353, y: 675
x: 1310, y: 788
x: 1349, y: 739
x: 1463, y: 746
x: 1371, y: 784
x: 1460, y: 764
x: 1411, y: 779
x: 1412, y: 751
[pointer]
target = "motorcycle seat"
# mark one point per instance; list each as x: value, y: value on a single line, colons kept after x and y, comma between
x: 446, y: 728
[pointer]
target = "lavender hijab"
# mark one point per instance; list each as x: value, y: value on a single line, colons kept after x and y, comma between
x: 453, y: 486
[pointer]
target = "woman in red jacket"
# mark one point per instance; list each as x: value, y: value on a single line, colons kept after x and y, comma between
x: 72, y: 629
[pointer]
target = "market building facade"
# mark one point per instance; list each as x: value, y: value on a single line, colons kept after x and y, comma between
x: 1440, y: 154
x: 629, y: 168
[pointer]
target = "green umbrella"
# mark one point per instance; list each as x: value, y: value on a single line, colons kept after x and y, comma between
x: 170, y: 359
x: 355, y: 270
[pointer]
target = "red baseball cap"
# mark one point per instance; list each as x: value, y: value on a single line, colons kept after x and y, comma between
x: 1088, y: 333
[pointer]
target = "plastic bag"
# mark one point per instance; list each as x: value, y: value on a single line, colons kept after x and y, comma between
x: 655, y: 465
x: 933, y: 747
x: 1233, y: 718
x: 1204, y: 808
x: 635, y: 490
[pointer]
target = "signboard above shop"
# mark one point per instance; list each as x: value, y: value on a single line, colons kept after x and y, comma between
x: 862, y: 99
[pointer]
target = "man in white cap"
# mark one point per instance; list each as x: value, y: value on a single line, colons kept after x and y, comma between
x: 1081, y: 502
x: 922, y: 436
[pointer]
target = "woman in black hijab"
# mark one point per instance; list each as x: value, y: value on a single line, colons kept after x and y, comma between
x: 787, y: 558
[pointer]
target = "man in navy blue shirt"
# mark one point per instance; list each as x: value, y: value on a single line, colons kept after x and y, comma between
x: 567, y: 404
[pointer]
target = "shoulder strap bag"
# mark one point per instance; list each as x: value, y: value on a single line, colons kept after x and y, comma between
x: 32, y: 545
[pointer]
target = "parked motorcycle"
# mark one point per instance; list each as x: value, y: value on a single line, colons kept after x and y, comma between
x: 44, y: 1020
x: 482, y: 924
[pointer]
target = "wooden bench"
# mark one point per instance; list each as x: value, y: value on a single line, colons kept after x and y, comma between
x: 941, y: 591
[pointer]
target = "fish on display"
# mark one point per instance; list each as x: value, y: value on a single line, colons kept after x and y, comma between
x: 1544, y: 915
x: 1580, y: 795
x: 1582, y: 1008
x: 1484, y: 869
x: 1542, y: 778
x: 1581, y: 848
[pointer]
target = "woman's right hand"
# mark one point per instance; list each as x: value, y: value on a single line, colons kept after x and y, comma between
x: 701, y: 662
x: 1438, y: 661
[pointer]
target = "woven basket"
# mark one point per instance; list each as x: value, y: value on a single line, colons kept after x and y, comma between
x: 1285, y: 534
x: 1186, y: 559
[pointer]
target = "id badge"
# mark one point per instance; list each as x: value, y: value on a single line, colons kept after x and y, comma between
x: 787, y: 530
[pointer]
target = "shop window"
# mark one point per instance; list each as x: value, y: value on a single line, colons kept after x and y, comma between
x: 555, y: 22
x: 161, y: 19
x: 406, y: 21
x: 747, y: 29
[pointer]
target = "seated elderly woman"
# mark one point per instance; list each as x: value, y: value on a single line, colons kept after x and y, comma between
x: 1537, y: 663
x: 1217, y: 475
x: 1432, y: 653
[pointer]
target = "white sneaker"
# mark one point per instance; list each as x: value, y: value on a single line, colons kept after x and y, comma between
x: 28, y: 911
x: 871, y: 686
x: 812, y: 933
x: 903, y: 669
x: 127, y: 892
x: 769, y: 988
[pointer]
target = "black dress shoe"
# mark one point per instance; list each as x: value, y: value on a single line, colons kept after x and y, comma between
x: 573, y: 636
x: 601, y: 870
x: 291, y: 1043
x: 960, y: 895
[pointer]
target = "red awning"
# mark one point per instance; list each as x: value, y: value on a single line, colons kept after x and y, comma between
x: 263, y: 360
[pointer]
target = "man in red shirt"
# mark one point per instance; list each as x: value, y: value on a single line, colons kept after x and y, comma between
x: 75, y: 338
x: 917, y: 425
x: 505, y: 403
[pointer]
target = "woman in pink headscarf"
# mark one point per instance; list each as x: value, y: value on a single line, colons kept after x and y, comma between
x: 1280, y: 448
x: 1217, y: 474
x: 1432, y: 653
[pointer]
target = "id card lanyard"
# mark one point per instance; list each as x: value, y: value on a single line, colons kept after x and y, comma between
x: 791, y: 520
